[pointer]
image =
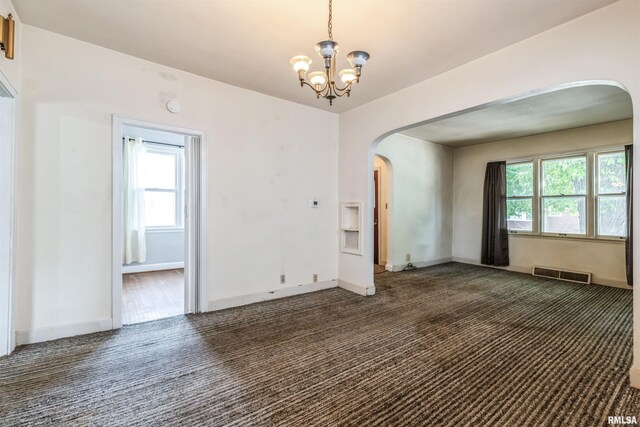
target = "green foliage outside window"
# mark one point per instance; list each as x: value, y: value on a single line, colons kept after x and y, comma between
x: 520, y: 179
x: 564, y: 177
x: 520, y: 184
x: 611, y: 173
x: 612, y: 210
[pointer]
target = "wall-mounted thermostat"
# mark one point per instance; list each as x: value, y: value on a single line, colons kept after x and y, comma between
x: 314, y: 203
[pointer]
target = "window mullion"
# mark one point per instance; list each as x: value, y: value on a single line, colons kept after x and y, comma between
x: 590, y: 199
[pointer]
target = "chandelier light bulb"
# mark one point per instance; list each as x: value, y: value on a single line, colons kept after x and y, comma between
x: 347, y: 75
x: 300, y: 63
x: 317, y: 78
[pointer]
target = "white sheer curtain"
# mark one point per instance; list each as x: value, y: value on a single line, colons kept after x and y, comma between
x: 134, y: 240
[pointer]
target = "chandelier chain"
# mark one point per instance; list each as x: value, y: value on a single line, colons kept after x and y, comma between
x: 330, y: 21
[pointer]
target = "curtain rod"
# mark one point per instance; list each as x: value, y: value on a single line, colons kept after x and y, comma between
x: 158, y: 143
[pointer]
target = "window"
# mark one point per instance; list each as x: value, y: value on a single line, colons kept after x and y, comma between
x: 611, y: 202
x: 582, y: 195
x: 564, y: 196
x: 163, y: 182
x: 520, y: 196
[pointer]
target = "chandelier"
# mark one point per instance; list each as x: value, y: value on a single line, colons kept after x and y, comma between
x: 323, y: 82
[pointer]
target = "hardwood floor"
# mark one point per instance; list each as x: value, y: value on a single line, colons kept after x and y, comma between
x: 152, y: 295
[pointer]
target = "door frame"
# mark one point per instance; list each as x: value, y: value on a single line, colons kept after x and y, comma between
x: 385, y: 238
x: 376, y: 207
x: 8, y: 168
x: 195, y: 225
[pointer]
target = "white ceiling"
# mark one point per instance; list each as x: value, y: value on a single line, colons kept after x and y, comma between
x: 566, y: 108
x: 248, y: 43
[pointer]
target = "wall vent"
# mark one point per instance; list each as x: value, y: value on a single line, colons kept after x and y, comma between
x: 558, y: 274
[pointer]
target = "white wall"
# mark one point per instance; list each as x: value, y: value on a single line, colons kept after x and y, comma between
x: 605, y: 259
x: 422, y: 200
x: 267, y: 158
x: 165, y: 247
x: 165, y: 251
x: 600, y: 45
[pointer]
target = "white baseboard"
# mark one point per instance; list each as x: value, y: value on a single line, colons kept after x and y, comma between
x: 358, y: 289
x: 634, y: 377
x: 140, y: 268
x: 609, y: 282
x: 221, y: 304
x: 419, y: 264
x: 55, y: 332
x: 466, y: 260
x: 596, y: 280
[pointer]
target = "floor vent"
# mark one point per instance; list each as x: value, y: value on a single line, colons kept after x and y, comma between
x: 568, y: 275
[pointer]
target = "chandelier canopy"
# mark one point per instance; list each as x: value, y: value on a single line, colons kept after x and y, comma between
x: 323, y: 82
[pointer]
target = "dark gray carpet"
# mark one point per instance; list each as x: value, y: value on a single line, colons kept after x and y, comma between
x: 451, y: 345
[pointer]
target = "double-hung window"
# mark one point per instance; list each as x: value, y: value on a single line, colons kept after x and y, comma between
x: 611, y: 187
x: 163, y: 187
x: 520, y: 197
x: 564, y: 196
x: 579, y: 195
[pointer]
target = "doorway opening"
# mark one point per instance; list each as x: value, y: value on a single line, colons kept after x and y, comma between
x: 585, y: 127
x: 158, y: 180
x: 153, y: 285
x: 7, y: 216
x: 381, y: 213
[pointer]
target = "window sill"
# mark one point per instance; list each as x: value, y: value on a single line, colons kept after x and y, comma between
x: 573, y: 238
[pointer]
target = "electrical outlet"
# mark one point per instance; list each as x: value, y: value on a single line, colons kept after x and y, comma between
x: 282, y: 279
x: 408, y: 256
x: 315, y: 278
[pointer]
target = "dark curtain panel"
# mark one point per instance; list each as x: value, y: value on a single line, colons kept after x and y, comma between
x: 628, y: 153
x: 495, y: 236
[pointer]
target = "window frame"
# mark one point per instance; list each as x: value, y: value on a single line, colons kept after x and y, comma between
x: 178, y: 153
x: 542, y: 197
x: 534, y: 204
x: 597, y: 194
x: 591, y: 196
